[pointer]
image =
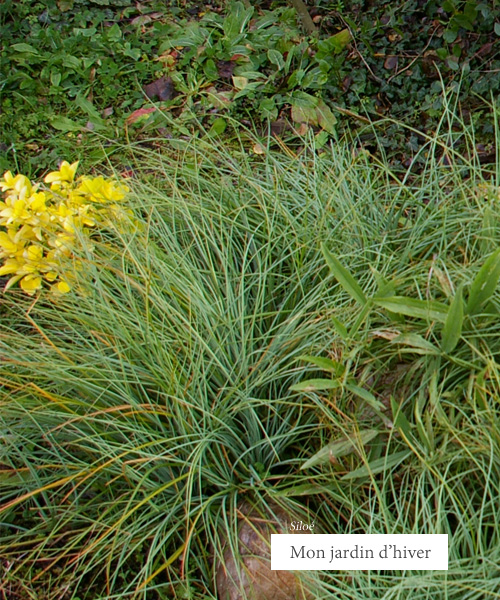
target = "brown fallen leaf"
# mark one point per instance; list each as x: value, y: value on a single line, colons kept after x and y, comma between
x: 391, y: 62
x: 162, y: 88
x: 225, y: 68
x: 139, y: 114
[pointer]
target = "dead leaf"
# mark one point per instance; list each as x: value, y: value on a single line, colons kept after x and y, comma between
x: 220, y: 99
x: 278, y: 127
x: 391, y: 62
x: 485, y: 49
x: 240, y: 83
x: 304, y: 114
x: 303, y: 129
x: 326, y: 118
x: 140, y: 114
x: 65, y: 5
x: 258, y: 149
x: 169, y: 58
x: 162, y: 88
x: 386, y: 334
x: 141, y: 20
x: 346, y: 83
x: 225, y: 68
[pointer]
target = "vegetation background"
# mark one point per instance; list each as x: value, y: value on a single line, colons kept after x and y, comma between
x: 307, y: 318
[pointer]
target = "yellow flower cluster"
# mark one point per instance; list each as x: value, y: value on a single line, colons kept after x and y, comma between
x: 39, y: 225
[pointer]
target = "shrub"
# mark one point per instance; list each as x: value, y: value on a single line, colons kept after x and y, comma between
x: 40, y: 226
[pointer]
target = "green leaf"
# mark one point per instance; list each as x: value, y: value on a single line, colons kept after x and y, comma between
x: 450, y: 35
x: 114, y: 33
x: 237, y: 19
x: 416, y: 341
x: 210, y: 69
x: 65, y: 124
x: 378, y: 466
x: 320, y: 139
x: 343, y: 276
x: 303, y: 100
x: 304, y: 114
x: 55, y: 78
x: 484, y: 284
x: 412, y: 307
x: 341, y: 447
x: 326, y: 119
x: 276, y: 58
x: 327, y: 364
x: 470, y: 11
x: 316, y: 385
x: 87, y: 107
x: 71, y: 62
x: 340, y: 328
x: 365, y: 395
x: 497, y: 28
x: 304, y: 489
x: 268, y: 108
x: 400, y: 421
x: 452, y: 329
x: 90, y: 32
x: 24, y: 48
x: 218, y: 127
x: 340, y: 40
x: 463, y: 21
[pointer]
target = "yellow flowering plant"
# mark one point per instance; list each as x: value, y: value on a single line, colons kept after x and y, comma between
x: 40, y: 225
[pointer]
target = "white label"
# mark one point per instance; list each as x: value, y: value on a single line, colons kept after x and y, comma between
x: 359, y: 552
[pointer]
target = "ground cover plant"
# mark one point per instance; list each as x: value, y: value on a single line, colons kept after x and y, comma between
x: 75, y: 70
x: 279, y: 332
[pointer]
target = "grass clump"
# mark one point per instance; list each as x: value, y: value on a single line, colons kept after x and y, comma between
x: 140, y: 412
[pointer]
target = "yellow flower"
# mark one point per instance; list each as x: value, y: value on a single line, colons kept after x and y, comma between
x: 33, y: 253
x: 37, y: 201
x: 66, y: 173
x: 31, y: 283
x: 8, y: 245
x: 11, y: 265
x: 103, y: 190
x: 19, y: 184
x: 7, y: 182
x: 63, y: 287
x: 14, y: 210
